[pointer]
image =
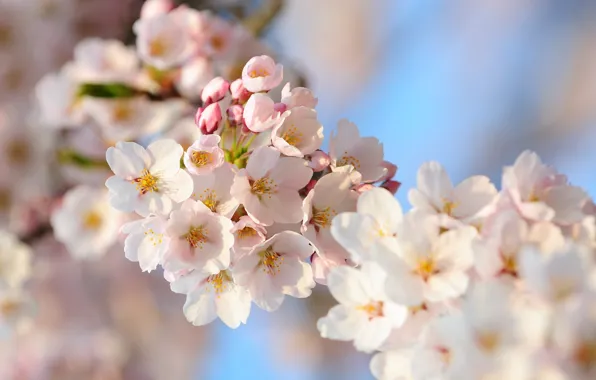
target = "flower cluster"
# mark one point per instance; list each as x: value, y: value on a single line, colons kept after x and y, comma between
x: 244, y: 213
x: 471, y: 283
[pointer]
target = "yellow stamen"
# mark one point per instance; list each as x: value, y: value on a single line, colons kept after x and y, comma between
x: 217, y: 42
x: 263, y: 186
x: 154, y: 238
x: 220, y: 282
x: 292, y: 136
x: 92, y: 220
x: 509, y: 265
x: 9, y: 307
x: 270, y: 261
x: 246, y: 232
x: 201, y: 158
x: 448, y: 207
x: 348, y: 160
x: 427, y: 267
x: 418, y: 308
x: 322, y: 218
x: 487, y: 341
x: 258, y: 73
x: 585, y: 354
x: 157, y: 47
x: 196, y: 236
x: 146, y: 182
x: 18, y: 151
x: 122, y: 112
x: 373, y: 309
x: 209, y: 199
x: 6, y: 35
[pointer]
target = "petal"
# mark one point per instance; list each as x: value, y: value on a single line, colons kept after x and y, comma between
x: 447, y: 285
x: 433, y: 181
x: 127, y: 159
x: 199, y: 308
x: 348, y: 286
x: 261, y: 161
x: 165, y: 155
x: 472, y: 195
x: 292, y: 244
x: 233, y: 306
x: 381, y: 204
x: 372, y: 335
x: 291, y: 173
x: 341, y: 323
x: 180, y: 186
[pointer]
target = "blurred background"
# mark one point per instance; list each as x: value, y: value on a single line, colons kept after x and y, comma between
x: 468, y: 83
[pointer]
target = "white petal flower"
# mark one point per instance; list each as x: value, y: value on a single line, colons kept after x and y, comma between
x: 15, y: 261
x: 200, y: 239
x: 299, y: 134
x: 204, y: 155
x: 56, y: 97
x: 147, y: 181
x: 147, y: 242
x: 437, y: 195
x: 210, y: 296
x: 365, y: 314
x: 348, y: 151
x: 540, y: 193
x: 379, y: 216
x: 16, y: 312
x: 275, y: 268
x: 86, y: 223
x: 213, y: 190
x: 392, y: 365
x: 247, y: 234
x: 268, y: 187
x: 98, y: 61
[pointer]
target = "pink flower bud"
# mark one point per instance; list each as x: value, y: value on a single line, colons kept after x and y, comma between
x: 235, y: 115
x: 210, y: 119
x: 198, y: 115
x: 239, y: 93
x: 153, y: 8
x: 364, y: 187
x: 392, y: 186
x: 391, y: 170
x: 280, y: 107
x: 215, y: 90
x: 319, y: 161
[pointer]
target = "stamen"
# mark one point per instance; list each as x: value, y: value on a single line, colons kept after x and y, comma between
x: 426, y: 267
x: 157, y: 47
x: 146, y: 182
x: 258, y: 73
x: 201, y: 158
x: 270, y: 261
x: 246, y: 232
x: 348, y: 160
x: 209, y: 199
x: 448, y: 207
x: 220, y: 282
x: 196, y: 236
x: 122, y: 112
x: 487, y: 341
x: 9, y: 307
x: 92, y: 220
x: 373, y: 309
x: 322, y: 218
x: 292, y: 136
x: 585, y: 355
x: 154, y: 238
x: 509, y: 264
x: 263, y: 186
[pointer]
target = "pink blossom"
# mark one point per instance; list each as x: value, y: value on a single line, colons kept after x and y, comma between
x: 235, y: 115
x: 247, y: 234
x: 298, y: 97
x: 204, y: 155
x: 268, y: 187
x: 239, y: 92
x: 261, y: 74
x: 318, y: 160
x: 300, y: 133
x: 215, y: 90
x: 194, y: 76
x: 209, y: 118
x: 260, y: 114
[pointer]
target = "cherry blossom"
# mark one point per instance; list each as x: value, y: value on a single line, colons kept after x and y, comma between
x: 199, y: 239
x: 204, y: 155
x: 299, y: 134
x: 268, y: 187
x: 298, y: 97
x: 261, y: 74
x: 365, y: 313
x: 16, y: 312
x: 247, y: 234
x: 260, y: 113
x: 15, y: 261
x: 147, y: 242
x: 213, y: 190
x: 147, y: 180
x: 85, y: 222
x: 275, y: 268
x: 97, y: 60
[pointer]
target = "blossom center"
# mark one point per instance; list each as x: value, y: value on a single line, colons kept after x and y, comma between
x: 373, y: 309
x: 445, y: 354
x: 258, y: 73
x: 246, y: 232
x: 426, y: 267
x: 348, y: 160
x: 209, y: 199
x: 509, y: 265
x: 157, y: 47
x: 121, y: 112
x: 201, y: 158
x: 9, y: 307
x: 488, y: 341
x: 292, y: 136
x: 154, y: 238
x: 418, y: 308
x: 270, y: 261
x: 147, y: 182
x: 322, y: 218
x: 585, y: 354
x: 449, y: 207
x: 5, y: 35
x: 18, y: 152
x: 220, y: 282
x: 533, y: 197
x: 196, y: 236
x: 263, y: 186
x: 217, y: 42
x: 92, y: 220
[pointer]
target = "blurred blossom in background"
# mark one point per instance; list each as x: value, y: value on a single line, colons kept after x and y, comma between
x: 470, y: 84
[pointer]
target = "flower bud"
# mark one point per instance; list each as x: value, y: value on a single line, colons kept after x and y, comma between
x: 319, y: 161
x: 234, y: 113
x: 198, y: 115
x: 239, y: 93
x: 210, y: 119
x: 215, y: 90
x: 363, y: 188
x: 392, y: 186
x: 280, y: 107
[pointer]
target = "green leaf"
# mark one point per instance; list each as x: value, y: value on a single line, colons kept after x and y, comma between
x: 71, y: 157
x: 106, y: 90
